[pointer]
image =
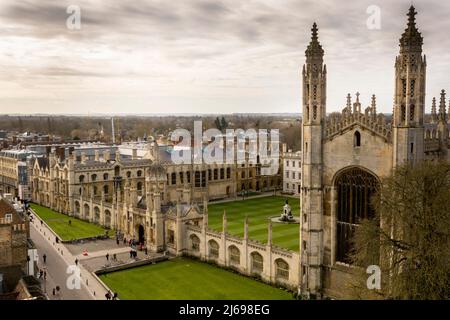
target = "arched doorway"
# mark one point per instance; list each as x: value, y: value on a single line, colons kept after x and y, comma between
x: 354, y: 188
x: 141, y: 234
x: 107, y: 218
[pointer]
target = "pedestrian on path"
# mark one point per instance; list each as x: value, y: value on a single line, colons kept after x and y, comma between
x: 76, y: 262
x: 114, y: 257
x: 117, y: 240
x: 115, y: 296
x: 44, y: 257
x: 131, y: 254
x: 45, y: 273
x: 146, y: 251
x: 108, y: 295
x: 107, y: 257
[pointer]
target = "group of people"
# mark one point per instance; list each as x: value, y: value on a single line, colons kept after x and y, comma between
x: 133, y: 254
x: 43, y: 273
x: 114, y: 257
x: 111, y: 296
x: 133, y: 244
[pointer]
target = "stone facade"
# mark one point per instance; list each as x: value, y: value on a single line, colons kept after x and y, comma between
x: 14, y: 233
x: 162, y: 205
x: 344, y: 156
x: 292, y: 172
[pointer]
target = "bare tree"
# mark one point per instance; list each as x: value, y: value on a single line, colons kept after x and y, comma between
x: 409, y: 238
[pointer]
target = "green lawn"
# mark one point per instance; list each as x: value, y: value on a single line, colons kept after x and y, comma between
x: 60, y: 224
x: 186, y: 279
x: 258, y: 210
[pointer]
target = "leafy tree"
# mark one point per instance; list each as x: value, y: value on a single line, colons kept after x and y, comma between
x: 409, y: 238
x: 223, y: 124
x: 218, y: 124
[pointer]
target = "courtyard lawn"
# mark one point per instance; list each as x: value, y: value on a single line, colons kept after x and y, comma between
x: 60, y: 224
x: 258, y: 211
x: 186, y: 279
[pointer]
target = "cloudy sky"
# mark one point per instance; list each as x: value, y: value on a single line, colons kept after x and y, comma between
x: 204, y: 56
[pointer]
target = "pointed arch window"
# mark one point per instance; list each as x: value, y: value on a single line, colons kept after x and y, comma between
x: 411, y: 88
x: 314, y: 112
x: 404, y: 88
x: 411, y: 112
x: 357, y: 139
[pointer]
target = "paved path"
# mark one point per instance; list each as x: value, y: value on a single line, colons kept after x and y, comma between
x: 262, y: 195
x: 59, y: 259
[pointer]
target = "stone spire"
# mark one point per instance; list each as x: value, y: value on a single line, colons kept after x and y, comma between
x: 411, y: 40
x: 374, y: 105
x: 224, y: 222
x: 246, y: 227
x: 357, y: 104
x: 448, y: 111
x: 269, y: 233
x: 349, y: 101
x: 442, y: 112
x: 314, y: 48
x: 433, y: 111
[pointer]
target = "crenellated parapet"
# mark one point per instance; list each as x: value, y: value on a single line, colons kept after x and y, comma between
x: 351, y: 115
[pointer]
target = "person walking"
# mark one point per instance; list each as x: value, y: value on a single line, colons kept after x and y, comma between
x: 131, y: 254
x: 44, y: 257
x: 107, y: 257
x: 115, y: 296
x: 117, y: 240
x: 146, y: 251
x: 108, y: 295
x: 76, y: 262
x: 114, y: 257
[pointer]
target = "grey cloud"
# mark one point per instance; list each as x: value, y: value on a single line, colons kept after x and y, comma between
x: 249, y: 39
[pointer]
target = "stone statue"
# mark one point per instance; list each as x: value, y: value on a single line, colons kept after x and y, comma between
x: 286, y: 214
